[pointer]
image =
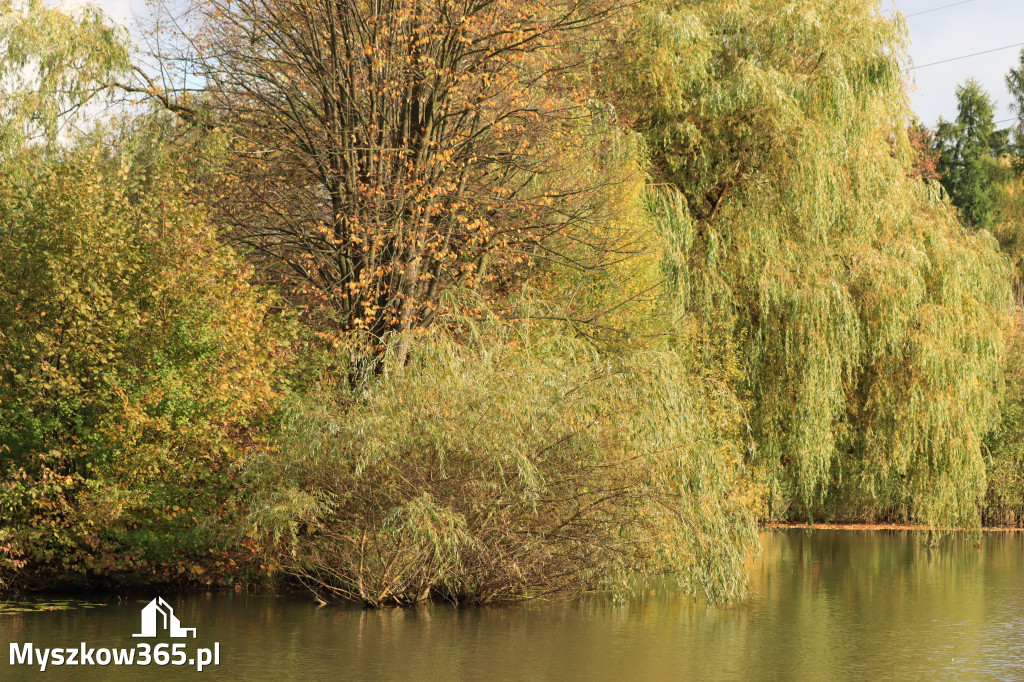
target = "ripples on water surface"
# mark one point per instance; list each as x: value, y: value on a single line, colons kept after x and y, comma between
x: 824, y: 605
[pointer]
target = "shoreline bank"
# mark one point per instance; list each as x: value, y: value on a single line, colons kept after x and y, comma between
x: 884, y: 526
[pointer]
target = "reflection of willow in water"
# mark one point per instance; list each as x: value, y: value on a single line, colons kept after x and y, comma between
x: 841, y: 593
x: 823, y: 604
x: 862, y: 565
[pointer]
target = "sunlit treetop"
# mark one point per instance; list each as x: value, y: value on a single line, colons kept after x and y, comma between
x: 53, y: 61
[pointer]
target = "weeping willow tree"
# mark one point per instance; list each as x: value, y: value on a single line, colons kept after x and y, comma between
x: 53, y: 62
x: 870, y: 321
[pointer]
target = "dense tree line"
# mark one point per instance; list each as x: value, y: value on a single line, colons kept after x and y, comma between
x: 483, y: 300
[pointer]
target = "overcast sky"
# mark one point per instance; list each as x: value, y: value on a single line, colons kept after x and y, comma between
x: 967, y: 27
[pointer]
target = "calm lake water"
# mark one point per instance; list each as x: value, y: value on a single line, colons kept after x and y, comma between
x: 825, y: 605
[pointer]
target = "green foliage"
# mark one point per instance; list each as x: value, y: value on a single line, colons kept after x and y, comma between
x: 870, y: 322
x: 52, y: 62
x: 968, y: 155
x: 587, y: 435
x: 510, y: 463
x: 1004, y: 503
x: 742, y: 297
x: 136, y: 364
x: 1008, y: 186
x: 1009, y: 226
x: 1015, y: 86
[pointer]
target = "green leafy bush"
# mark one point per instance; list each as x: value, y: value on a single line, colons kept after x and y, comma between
x: 136, y: 364
x: 506, y: 465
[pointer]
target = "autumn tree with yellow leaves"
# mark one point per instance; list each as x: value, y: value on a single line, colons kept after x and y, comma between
x: 387, y: 155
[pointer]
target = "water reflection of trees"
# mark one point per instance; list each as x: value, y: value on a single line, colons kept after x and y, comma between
x: 869, y: 604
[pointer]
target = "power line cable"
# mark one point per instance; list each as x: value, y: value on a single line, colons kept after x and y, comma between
x: 995, y: 123
x: 936, y: 9
x: 966, y: 56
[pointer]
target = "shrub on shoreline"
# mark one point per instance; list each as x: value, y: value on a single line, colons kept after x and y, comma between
x: 136, y: 362
x: 508, y: 469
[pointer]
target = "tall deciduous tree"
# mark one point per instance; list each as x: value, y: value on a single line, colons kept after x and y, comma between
x: 387, y: 152
x: 136, y: 360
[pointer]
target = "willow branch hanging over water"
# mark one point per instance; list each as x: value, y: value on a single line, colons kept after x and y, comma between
x: 871, y: 320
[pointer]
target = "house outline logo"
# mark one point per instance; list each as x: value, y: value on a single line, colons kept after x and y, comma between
x: 158, y: 612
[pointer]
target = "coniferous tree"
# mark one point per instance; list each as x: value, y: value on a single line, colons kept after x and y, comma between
x: 1015, y: 86
x: 968, y: 151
